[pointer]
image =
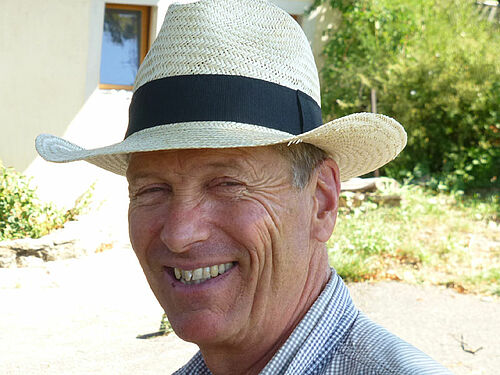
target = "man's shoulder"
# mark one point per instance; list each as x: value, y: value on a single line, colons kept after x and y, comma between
x: 369, y: 348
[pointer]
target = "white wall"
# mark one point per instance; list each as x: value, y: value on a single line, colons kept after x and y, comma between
x: 50, y: 62
x: 44, y: 62
x: 293, y: 6
x: 315, y: 24
x: 101, y: 121
x: 50, y: 66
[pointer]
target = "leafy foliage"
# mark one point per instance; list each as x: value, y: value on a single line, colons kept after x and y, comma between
x: 121, y: 25
x: 21, y: 212
x: 440, y: 238
x: 165, y: 326
x: 434, y: 66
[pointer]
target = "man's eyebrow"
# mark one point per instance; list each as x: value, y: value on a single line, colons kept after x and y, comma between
x: 139, y: 175
x: 229, y: 164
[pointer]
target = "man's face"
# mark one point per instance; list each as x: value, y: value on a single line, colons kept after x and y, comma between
x: 202, y: 209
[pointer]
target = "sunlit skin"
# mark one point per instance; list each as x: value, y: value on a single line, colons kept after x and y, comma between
x: 196, y: 208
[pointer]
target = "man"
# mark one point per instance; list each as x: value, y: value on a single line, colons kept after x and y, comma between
x: 234, y: 184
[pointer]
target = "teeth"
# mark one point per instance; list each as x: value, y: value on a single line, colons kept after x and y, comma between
x: 200, y: 275
x: 206, y: 273
x: 214, y: 271
x: 187, y: 275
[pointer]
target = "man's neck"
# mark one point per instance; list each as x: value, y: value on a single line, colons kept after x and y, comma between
x: 250, y: 356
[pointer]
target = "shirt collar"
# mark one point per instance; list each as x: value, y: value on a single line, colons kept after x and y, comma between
x: 321, y: 329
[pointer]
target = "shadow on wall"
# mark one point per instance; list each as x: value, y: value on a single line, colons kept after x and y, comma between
x: 321, y: 20
x: 101, y: 121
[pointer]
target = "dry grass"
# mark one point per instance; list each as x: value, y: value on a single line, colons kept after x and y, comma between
x: 432, y: 238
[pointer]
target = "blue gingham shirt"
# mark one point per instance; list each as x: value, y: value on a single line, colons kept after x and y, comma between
x: 336, y: 338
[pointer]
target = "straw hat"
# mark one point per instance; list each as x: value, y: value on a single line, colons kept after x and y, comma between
x: 234, y: 73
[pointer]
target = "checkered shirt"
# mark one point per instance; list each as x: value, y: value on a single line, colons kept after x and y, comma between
x: 335, y: 338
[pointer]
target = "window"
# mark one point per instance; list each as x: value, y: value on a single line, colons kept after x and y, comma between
x: 125, y: 42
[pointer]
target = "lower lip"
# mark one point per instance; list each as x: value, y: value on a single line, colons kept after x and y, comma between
x: 177, y: 284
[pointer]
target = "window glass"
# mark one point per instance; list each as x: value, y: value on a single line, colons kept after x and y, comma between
x: 120, y: 55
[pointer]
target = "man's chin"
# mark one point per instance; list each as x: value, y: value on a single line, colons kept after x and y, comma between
x: 201, y: 328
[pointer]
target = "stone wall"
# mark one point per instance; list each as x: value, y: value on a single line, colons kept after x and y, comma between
x: 74, y: 240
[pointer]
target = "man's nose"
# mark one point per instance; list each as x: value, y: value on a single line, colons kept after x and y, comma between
x: 185, y: 224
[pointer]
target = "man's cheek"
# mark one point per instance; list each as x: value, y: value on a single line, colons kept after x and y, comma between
x: 253, y: 227
x: 135, y: 233
x: 140, y: 239
x: 144, y: 223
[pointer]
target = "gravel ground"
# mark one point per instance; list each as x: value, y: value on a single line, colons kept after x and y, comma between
x: 437, y: 321
x: 82, y: 316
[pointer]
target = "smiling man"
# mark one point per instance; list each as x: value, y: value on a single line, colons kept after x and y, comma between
x: 233, y: 251
x: 234, y: 183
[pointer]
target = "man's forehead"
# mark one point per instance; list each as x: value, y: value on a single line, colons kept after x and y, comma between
x: 148, y: 163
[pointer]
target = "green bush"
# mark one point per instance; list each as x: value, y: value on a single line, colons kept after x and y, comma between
x: 22, y: 214
x: 438, y: 237
x: 434, y: 66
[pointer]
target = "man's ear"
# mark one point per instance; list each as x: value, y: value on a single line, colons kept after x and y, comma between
x: 326, y: 196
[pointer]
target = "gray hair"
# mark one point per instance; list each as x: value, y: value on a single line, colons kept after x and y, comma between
x: 304, y: 158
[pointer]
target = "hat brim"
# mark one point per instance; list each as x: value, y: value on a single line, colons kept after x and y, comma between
x: 359, y: 143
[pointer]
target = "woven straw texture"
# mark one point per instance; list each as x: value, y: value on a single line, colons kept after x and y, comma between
x: 251, y: 38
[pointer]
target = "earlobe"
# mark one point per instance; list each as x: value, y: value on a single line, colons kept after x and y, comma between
x: 326, y: 195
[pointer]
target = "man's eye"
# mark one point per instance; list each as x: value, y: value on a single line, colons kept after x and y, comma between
x: 230, y: 183
x: 151, y: 190
x: 226, y: 184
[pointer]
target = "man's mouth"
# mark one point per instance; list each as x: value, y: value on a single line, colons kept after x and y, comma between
x: 200, y: 275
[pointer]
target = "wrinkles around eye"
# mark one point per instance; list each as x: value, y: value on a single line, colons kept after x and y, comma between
x: 226, y: 186
x: 149, y: 190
